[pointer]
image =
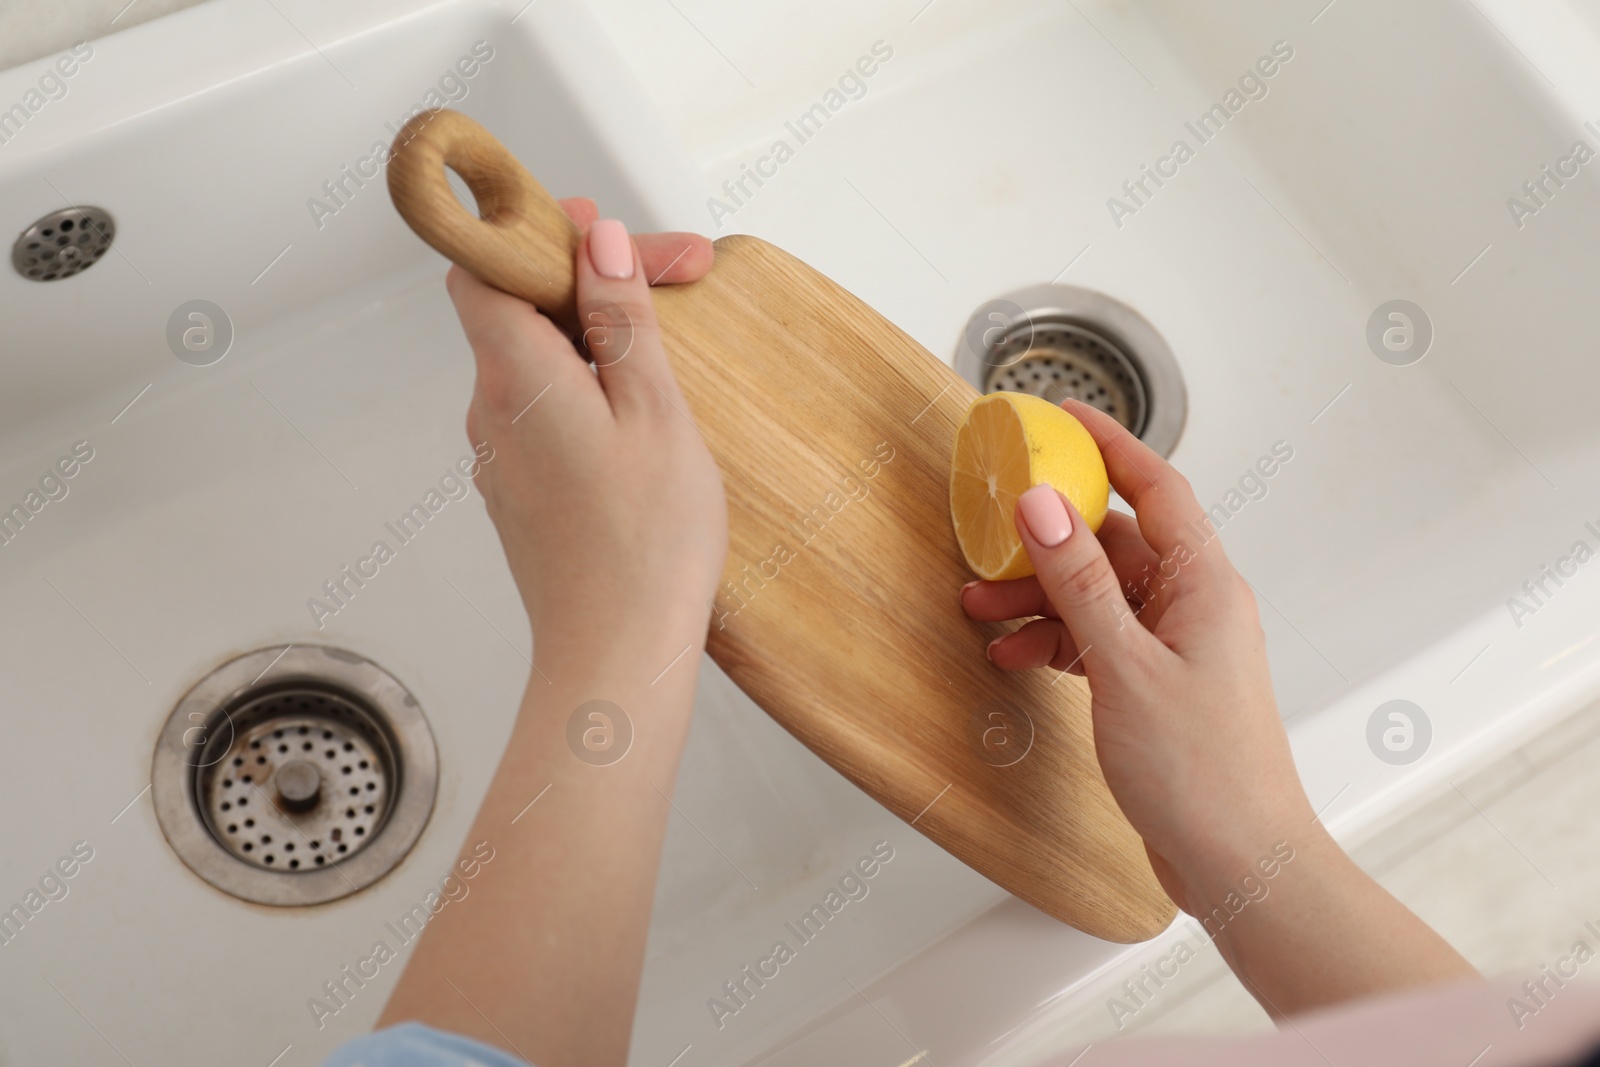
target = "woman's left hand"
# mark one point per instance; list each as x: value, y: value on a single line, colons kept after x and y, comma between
x: 607, y: 501
x: 613, y: 520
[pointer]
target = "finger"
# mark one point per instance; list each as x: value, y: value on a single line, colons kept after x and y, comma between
x: 670, y: 258
x: 581, y: 210
x: 521, y: 356
x: 1015, y: 598
x: 1077, y: 577
x: 1136, y: 564
x: 1133, y: 561
x: 1163, y: 501
x: 1040, y: 643
x: 618, y: 319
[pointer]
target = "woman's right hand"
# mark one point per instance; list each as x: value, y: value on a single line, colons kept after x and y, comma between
x: 1188, y: 736
x: 1166, y: 631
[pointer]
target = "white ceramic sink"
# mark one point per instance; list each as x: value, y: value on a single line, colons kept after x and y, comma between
x: 979, y: 160
x: 224, y: 497
x: 1373, y: 164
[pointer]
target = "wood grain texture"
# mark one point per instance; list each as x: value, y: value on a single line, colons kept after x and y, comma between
x: 839, y: 612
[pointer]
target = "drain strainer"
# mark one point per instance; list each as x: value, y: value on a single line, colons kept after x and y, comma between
x: 1060, y: 342
x: 294, y: 776
x: 1060, y: 361
x: 63, y: 243
x: 316, y: 779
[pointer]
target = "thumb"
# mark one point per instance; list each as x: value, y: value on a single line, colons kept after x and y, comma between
x: 1078, y: 579
x: 618, y: 318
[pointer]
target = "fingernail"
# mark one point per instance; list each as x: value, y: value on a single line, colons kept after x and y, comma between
x: 610, y: 250
x: 990, y: 650
x: 1045, y: 515
x: 964, y: 589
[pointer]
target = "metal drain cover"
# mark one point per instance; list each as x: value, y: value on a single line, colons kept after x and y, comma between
x: 297, y: 789
x: 1060, y: 342
x: 294, y: 776
x: 1060, y: 361
x: 63, y: 243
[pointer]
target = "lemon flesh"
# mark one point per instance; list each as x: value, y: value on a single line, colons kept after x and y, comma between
x: 1008, y: 443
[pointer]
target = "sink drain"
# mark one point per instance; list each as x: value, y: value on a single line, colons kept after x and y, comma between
x: 295, y: 776
x: 1060, y: 342
x: 63, y: 243
x: 1061, y: 361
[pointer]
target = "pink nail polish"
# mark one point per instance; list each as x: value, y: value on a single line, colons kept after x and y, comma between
x: 1045, y: 515
x: 610, y: 250
x: 990, y: 650
x: 964, y: 588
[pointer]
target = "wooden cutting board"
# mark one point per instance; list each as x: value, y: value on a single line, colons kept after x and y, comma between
x: 838, y: 613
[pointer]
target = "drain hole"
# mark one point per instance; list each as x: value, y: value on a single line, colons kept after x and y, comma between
x: 294, y: 788
x: 322, y: 727
x: 1059, y: 342
x: 1034, y: 357
x: 62, y: 243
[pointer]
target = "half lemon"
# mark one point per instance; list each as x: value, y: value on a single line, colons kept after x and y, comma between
x: 1008, y: 443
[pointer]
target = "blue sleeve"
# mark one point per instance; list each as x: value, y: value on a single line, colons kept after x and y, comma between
x: 415, y: 1045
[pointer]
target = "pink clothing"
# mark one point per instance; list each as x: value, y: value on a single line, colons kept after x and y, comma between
x: 1502, y: 1023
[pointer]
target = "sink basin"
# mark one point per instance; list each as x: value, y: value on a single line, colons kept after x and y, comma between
x: 1367, y: 155
x: 222, y: 495
x: 1425, y: 493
